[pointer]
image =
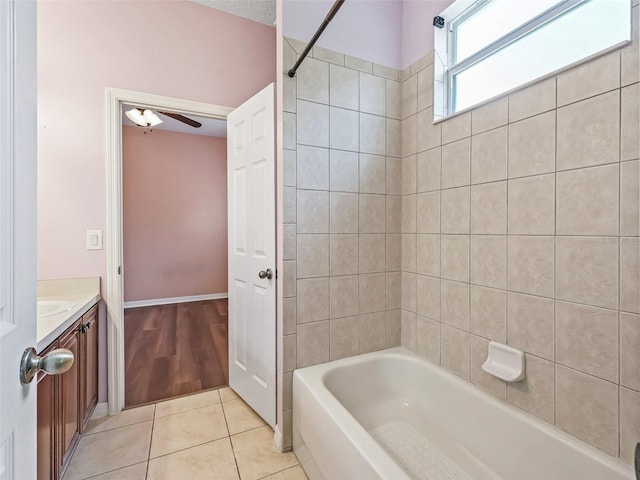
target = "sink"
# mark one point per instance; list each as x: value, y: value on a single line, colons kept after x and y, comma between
x: 47, y: 308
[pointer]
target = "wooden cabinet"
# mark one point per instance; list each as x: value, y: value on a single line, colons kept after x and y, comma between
x: 89, y: 365
x: 69, y: 395
x: 47, y: 467
x: 66, y: 402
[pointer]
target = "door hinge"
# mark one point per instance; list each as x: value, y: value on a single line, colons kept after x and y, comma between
x: 119, y: 270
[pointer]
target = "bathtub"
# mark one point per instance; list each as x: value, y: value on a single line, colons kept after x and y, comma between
x: 392, y: 415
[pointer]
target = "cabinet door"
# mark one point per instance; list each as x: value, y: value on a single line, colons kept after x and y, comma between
x: 47, y: 418
x: 70, y: 395
x: 89, y: 364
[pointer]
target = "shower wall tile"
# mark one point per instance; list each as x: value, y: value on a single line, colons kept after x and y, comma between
x: 289, y: 168
x: 372, y: 90
x: 428, y: 339
x: 536, y: 393
x: 488, y: 314
x: 313, y: 344
x: 577, y: 146
x: 489, y: 261
x: 343, y: 171
x: 409, y: 169
x: 343, y: 334
x: 532, y: 205
x: 312, y: 124
x: 588, y: 200
x: 393, y: 328
x: 428, y: 291
x: 533, y: 100
x: 456, y: 164
x: 489, y: 156
x: 630, y: 198
x: 490, y: 116
x: 454, y: 353
x: 428, y: 170
x: 313, y: 211
x: 587, y: 407
x: 312, y: 300
x: 343, y: 295
x: 313, y: 256
x: 630, y: 274
x: 372, y: 173
x: 532, y: 145
x: 343, y: 87
x: 587, y: 339
x: 343, y: 212
x: 589, y: 79
x: 489, y: 208
x: 630, y: 55
x: 312, y: 168
x: 456, y: 128
x: 587, y: 270
x: 393, y: 183
x: 371, y: 332
x: 313, y: 81
x: 531, y: 324
x: 343, y: 129
x: 629, y: 348
x: 372, y: 134
x: 515, y: 222
x: 425, y: 87
x: 630, y: 125
x: 629, y: 423
x: 531, y: 265
x: 478, y: 349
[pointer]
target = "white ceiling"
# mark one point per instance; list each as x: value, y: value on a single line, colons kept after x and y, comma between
x: 211, y: 127
x: 263, y: 11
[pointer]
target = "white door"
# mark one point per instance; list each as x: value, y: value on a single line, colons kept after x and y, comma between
x: 252, y: 250
x: 17, y: 235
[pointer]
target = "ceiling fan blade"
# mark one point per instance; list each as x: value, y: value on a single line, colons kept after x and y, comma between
x: 182, y: 118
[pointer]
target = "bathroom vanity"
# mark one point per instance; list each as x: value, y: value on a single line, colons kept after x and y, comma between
x: 66, y: 402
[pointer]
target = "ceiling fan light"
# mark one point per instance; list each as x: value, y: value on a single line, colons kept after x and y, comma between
x: 135, y: 115
x: 151, y: 118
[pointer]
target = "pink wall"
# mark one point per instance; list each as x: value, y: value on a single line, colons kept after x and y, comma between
x: 173, y: 48
x: 417, y: 28
x: 175, y: 214
x: 368, y: 29
x: 178, y: 48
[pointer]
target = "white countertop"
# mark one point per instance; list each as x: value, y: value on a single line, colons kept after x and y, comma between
x: 82, y: 292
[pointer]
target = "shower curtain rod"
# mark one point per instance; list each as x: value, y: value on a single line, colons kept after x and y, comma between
x: 334, y: 9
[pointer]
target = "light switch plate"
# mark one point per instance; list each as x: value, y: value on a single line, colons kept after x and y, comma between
x: 94, y: 239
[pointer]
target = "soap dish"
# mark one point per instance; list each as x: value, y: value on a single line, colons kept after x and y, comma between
x: 505, y: 362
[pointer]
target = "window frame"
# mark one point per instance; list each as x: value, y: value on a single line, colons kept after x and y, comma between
x: 445, y: 68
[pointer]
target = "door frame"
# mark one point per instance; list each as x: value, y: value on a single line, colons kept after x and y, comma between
x: 114, y: 300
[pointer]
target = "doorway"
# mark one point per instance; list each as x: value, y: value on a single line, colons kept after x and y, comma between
x: 174, y: 254
x: 251, y: 242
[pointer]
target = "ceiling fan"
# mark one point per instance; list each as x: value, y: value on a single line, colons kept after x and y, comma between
x: 147, y: 118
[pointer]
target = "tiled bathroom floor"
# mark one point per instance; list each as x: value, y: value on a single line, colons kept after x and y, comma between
x: 210, y: 435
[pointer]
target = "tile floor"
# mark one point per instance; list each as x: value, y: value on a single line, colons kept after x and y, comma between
x: 210, y: 435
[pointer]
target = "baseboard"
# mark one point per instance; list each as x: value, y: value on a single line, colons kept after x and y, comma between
x: 277, y: 437
x: 101, y: 410
x: 166, y: 301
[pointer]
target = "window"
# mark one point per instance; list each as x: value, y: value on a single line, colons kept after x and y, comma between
x: 490, y: 47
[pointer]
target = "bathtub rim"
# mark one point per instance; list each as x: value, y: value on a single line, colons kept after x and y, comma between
x: 313, y: 378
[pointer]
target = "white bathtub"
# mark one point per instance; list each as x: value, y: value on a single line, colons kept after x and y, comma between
x: 432, y: 424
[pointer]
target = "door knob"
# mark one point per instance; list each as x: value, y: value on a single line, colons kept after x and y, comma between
x: 54, y: 363
x: 268, y: 273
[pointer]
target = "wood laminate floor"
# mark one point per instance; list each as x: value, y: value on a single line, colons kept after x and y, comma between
x: 173, y: 350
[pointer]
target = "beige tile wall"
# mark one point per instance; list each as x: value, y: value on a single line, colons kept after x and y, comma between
x: 516, y: 222
x: 520, y: 225
x: 342, y: 220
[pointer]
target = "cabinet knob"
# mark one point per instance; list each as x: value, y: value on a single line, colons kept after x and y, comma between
x: 55, y: 362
